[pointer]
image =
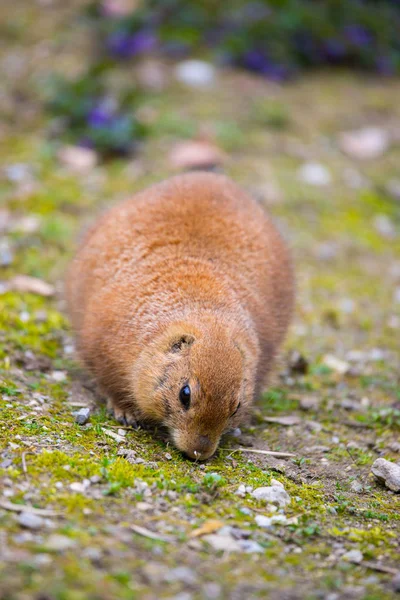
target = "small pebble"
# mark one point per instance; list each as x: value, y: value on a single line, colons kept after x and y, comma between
x: 30, y: 521
x: 77, y: 158
x: 387, y: 472
x: 356, y: 486
x: 59, y: 542
x: 353, y: 556
x: 364, y: 144
x: 274, y: 494
x: 6, y: 255
x: 195, y: 73
x: 82, y: 416
x: 396, y: 582
x: 314, y: 174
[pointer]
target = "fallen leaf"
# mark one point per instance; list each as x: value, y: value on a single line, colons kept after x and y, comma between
x: 195, y: 154
x: 287, y: 420
x: 24, y: 283
x: 207, y: 527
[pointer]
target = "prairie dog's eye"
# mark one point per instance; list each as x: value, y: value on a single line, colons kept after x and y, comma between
x: 184, y: 396
x: 235, y: 411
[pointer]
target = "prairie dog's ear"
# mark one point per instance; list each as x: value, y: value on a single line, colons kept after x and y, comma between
x: 179, y: 342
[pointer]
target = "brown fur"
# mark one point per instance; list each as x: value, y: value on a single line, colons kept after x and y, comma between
x: 186, y: 282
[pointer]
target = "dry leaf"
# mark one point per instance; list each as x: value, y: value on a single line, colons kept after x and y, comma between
x: 287, y: 420
x: 207, y: 527
x: 195, y: 154
x: 24, y: 283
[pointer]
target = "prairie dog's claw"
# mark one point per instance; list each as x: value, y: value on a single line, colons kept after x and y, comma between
x: 123, y: 418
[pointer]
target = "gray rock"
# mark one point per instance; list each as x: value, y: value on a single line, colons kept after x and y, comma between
x: 263, y: 521
x: 95, y: 479
x: 250, y: 547
x: 388, y: 472
x: 183, y: 574
x: 59, y: 542
x: 353, y: 556
x: 6, y: 255
x: 385, y: 226
x: 30, y: 521
x: 356, y: 486
x: 212, y: 591
x: 18, y: 172
x: 309, y: 403
x: 82, y: 416
x: 396, y: 582
x: 393, y: 189
x: 223, y: 542
x: 273, y: 493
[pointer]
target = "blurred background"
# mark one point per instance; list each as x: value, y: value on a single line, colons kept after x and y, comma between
x: 299, y: 102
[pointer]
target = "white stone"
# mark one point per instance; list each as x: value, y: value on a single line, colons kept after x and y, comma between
x: 364, y: 144
x: 336, y: 364
x: 314, y: 174
x: 77, y: 158
x: 30, y: 521
x: 195, y: 73
x: 273, y: 493
x: 388, y: 472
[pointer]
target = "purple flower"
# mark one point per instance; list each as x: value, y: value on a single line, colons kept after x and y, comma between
x: 357, y: 35
x: 99, y: 116
x: 276, y: 72
x: 334, y: 50
x: 385, y: 66
x: 258, y: 61
x: 126, y: 45
x: 255, y: 60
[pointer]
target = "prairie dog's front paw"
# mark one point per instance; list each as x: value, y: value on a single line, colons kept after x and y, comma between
x: 123, y: 417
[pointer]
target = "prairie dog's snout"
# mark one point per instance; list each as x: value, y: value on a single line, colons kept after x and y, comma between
x: 200, y: 448
x: 180, y: 298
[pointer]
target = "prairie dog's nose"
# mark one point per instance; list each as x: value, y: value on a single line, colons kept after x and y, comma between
x: 203, y: 444
x: 202, y: 448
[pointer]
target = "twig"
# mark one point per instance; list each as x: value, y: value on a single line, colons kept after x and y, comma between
x: 357, y: 425
x: 150, y: 534
x: 266, y: 452
x: 25, y: 470
x: 118, y: 438
x: 43, y: 512
x: 381, y: 568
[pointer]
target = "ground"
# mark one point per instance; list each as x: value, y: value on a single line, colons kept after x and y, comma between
x: 127, y: 511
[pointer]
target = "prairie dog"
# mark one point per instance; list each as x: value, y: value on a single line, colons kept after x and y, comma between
x: 180, y: 298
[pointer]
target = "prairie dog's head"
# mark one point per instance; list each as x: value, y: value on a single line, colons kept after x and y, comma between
x: 194, y: 381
